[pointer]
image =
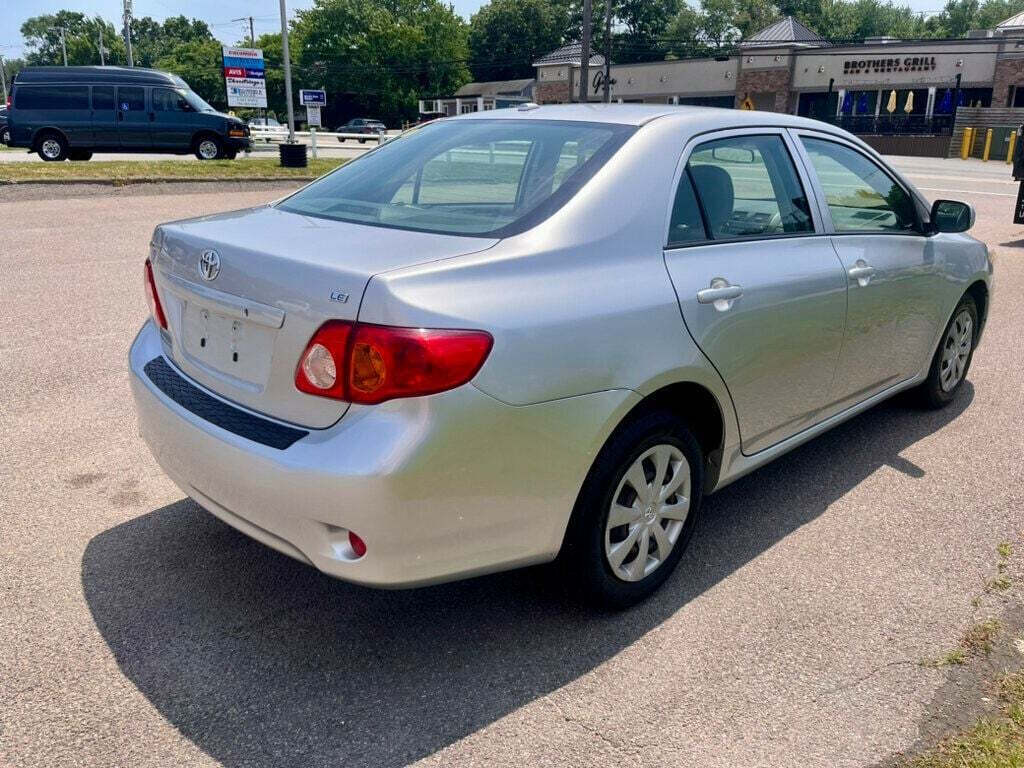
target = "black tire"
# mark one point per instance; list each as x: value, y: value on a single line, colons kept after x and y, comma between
x: 208, y: 147
x: 52, y: 147
x: 583, y: 555
x: 931, y: 393
x: 79, y: 154
x: 362, y: 141
x: 5, y: 137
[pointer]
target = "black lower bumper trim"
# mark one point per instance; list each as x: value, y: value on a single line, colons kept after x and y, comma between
x: 217, y: 412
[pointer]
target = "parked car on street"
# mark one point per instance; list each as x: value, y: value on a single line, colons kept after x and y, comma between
x: 362, y: 125
x: 71, y: 112
x: 268, y: 129
x: 5, y: 132
x: 545, y: 332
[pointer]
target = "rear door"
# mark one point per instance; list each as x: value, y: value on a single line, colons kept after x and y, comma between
x: 759, y: 284
x: 171, y: 119
x: 104, y: 116
x: 132, y: 117
x: 889, y: 264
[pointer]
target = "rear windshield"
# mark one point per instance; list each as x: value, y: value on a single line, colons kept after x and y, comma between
x: 467, y: 177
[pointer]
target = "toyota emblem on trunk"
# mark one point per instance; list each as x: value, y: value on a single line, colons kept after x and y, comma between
x: 209, y: 265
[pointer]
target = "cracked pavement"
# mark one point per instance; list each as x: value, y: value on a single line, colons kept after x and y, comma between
x: 137, y: 630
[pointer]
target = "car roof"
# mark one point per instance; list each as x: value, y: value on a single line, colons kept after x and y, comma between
x: 701, y: 118
x: 87, y: 75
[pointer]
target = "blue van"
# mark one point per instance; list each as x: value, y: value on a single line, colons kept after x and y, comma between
x: 71, y: 112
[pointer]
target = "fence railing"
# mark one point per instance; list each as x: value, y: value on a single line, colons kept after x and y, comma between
x: 884, y: 124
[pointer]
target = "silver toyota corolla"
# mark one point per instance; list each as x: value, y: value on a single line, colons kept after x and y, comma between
x: 543, y: 332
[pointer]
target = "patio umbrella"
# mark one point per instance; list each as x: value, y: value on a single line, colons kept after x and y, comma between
x: 891, y: 106
x: 909, y: 106
x: 862, y: 103
x: 946, y: 105
x: 847, y: 103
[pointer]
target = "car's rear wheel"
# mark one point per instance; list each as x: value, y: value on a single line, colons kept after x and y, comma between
x: 5, y: 137
x: 952, y: 359
x: 52, y: 147
x: 636, y: 512
x: 208, y: 148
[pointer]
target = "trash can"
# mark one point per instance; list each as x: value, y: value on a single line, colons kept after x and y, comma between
x: 293, y: 155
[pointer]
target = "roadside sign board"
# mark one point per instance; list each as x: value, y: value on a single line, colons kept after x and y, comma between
x: 313, y: 116
x: 314, y: 98
x: 245, y: 77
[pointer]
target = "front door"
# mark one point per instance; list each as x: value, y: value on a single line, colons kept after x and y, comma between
x: 172, y: 119
x: 132, y: 118
x: 104, y: 116
x: 760, y: 287
x: 890, y: 270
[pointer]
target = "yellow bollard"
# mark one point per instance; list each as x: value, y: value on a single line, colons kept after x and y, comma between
x: 965, y: 144
x: 1011, y: 145
x: 988, y: 146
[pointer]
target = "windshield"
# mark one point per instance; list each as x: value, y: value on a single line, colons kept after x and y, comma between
x: 470, y: 177
x: 196, y: 101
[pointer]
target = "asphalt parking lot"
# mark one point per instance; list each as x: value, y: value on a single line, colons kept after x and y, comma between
x: 137, y: 630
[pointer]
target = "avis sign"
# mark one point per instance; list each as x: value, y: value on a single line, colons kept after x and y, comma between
x: 245, y: 77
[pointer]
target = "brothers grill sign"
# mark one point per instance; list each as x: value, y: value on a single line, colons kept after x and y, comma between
x: 905, y: 64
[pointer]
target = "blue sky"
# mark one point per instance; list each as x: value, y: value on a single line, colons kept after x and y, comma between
x: 217, y: 14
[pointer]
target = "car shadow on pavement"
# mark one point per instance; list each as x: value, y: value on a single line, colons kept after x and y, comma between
x: 262, y: 661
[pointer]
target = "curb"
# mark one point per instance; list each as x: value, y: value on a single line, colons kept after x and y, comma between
x: 153, y: 180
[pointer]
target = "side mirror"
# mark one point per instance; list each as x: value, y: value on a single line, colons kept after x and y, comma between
x: 951, y: 216
x: 184, y: 106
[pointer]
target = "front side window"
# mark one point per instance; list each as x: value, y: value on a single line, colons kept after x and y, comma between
x: 131, y: 99
x: 748, y: 187
x: 166, y: 100
x: 59, y: 97
x: 860, y: 195
x: 476, y: 177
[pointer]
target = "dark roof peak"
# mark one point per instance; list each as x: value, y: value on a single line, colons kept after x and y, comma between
x: 785, y: 31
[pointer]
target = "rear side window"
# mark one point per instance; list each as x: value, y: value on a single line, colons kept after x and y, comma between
x: 686, y: 225
x: 56, y: 97
x: 103, y: 97
x: 748, y: 187
x: 861, y: 196
x: 475, y: 177
x: 131, y: 99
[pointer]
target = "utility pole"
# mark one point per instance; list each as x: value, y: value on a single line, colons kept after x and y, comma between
x: 288, y: 73
x: 607, y: 51
x: 128, y: 32
x: 3, y: 77
x: 99, y: 35
x: 63, y: 44
x: 252, y: 33
x: 588, y: 13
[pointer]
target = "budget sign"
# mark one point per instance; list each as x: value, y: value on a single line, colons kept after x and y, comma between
x: 245, y: 77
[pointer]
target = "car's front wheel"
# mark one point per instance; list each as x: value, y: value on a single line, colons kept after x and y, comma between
x: 208, y: 148
x: 636, y: 512
x: 952, y: 359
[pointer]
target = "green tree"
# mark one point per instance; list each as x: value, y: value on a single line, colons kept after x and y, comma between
x: 507, y: 36
x: 992, y: 12
x: 82, y: 38
x: 377, y: 57
x: 200, y: 64
x: 152, y: 40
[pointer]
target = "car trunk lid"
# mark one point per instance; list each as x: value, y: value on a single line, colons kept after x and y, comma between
x: 245, y: 291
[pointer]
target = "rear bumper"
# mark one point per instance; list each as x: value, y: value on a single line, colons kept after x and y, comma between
x: 438, y: 487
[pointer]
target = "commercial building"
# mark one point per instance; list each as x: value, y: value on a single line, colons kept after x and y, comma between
x: 881, y: 87
x: 478, y: 97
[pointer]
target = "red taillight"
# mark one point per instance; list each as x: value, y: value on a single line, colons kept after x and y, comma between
x: 357, y: 544
x: 373, y: 363
x: 153, y: 298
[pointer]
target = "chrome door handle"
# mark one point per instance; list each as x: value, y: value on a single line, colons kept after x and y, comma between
x: 861, y: 272
x: 721, y: 294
